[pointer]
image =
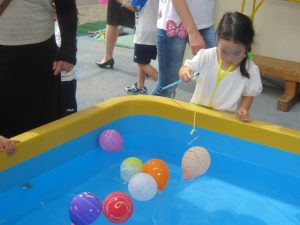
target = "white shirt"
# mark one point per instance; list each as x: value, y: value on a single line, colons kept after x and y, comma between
x: 201, y: 10
x: 231, y: 88
x: 145, y: 24
x: 26, y: 22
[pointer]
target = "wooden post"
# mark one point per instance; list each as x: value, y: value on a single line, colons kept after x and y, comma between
x: 290, y: 96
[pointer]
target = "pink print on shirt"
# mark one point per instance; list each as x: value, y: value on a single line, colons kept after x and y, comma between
x: 173, y: 29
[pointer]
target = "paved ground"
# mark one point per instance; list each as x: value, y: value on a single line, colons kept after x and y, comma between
x: 96, y: 85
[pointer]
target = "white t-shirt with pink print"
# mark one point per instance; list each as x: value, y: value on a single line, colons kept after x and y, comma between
x: 201, y: 10
x: 232, y: 87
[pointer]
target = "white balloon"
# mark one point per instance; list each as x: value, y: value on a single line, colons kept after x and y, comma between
x: 195, y: 162
x: 142, y: 187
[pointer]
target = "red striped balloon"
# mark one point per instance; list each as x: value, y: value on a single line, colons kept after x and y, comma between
x: 117, y: 207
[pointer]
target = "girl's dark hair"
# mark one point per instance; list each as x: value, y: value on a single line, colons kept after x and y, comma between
x: 239, y: 28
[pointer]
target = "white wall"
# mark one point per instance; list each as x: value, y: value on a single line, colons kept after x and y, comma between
x: 277, y: 26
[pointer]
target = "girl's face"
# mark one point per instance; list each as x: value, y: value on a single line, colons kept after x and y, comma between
x: 230, y: 52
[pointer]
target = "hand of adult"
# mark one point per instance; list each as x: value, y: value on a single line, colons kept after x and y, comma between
x: 196, y: 42
x: 59, y: 66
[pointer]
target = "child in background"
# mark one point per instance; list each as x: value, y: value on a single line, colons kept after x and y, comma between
x: 68, y: 81
x: 228, y: 78
x: 8, y: 145
x: 144, y: 45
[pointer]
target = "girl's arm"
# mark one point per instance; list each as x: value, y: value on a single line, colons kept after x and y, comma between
x: 8, y: 145
x: 195, y: 39
x: 243, y: 112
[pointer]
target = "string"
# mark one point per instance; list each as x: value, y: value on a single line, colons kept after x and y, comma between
x: 194, y: 139
x: 194, y: 125
x: 194, y: 121
x: 219, y: 79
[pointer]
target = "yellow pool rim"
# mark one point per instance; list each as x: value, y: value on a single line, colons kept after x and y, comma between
x: 46, y: 137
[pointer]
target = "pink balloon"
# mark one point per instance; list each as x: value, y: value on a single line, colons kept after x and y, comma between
x: 103, y: 2
x: 111, y: 141
x: 195, y: 162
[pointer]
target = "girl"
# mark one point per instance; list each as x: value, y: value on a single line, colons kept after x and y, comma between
x: 228, y: 77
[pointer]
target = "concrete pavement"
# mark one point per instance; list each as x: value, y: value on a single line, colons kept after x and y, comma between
x: 96, y: 85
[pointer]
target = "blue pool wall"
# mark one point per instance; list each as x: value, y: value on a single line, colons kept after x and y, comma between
x: 261, y: 168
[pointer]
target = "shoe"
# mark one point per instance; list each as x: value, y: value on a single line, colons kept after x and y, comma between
x: 132, y: 87
x: 136, y: 91
x: 109, y: 62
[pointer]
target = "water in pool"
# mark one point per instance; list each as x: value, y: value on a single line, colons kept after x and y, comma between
x: 246, y: 184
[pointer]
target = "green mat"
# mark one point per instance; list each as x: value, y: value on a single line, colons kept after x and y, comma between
x: 125, y: 41
x: 83, y: 29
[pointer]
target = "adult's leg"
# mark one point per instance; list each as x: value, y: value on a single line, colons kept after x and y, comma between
x: 111, y: 36
x: 116, y: 15
x: 170, y: 52
x: 209, y: 36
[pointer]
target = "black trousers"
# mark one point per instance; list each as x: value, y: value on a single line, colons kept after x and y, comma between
x: 29, y: 92
x: 68, y: 97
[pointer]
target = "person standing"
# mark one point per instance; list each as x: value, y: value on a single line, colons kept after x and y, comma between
x: 30, y: 62
x: 179, y: 22
x: 116, y: 16
x: 144, y: 46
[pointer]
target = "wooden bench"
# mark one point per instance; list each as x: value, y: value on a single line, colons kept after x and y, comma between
x: 289, y: 71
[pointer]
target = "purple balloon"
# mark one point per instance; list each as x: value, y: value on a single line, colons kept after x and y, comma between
x: 85, y: 208
x: 111, y: 141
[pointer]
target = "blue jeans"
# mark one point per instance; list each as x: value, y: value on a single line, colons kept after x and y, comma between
x: 170, y: 53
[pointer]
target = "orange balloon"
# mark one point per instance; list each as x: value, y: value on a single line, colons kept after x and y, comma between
x: 159, y: 170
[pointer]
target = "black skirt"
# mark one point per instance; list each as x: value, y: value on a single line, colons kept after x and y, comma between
x: 117, y: 15
x: 29, y: 92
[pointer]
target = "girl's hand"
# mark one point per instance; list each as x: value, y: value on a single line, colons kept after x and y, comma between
x: 186, y: 74
x: 8, y: 145
x: 244, y: 116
